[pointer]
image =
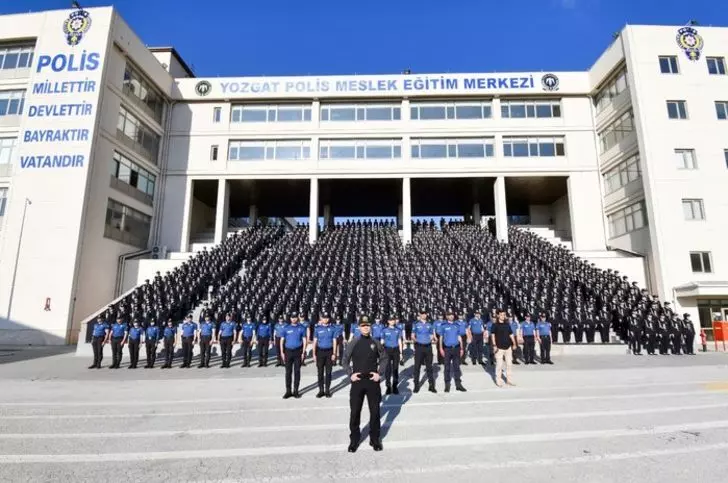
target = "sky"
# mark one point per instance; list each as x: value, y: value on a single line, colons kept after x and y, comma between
x: 319, y: 37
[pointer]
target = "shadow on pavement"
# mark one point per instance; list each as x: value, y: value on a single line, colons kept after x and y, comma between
x: 10, y: 354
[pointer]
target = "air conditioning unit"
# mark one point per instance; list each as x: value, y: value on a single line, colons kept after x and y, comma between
x: 159, y: 253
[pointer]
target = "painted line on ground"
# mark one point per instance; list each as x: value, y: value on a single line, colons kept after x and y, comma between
x: 278, y: 451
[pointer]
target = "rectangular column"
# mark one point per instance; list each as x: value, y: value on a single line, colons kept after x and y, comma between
x: 476, y: 214
x: 585, y: 210
x: 406, y: 211
x: 184, y: 244
x: 313, y: 212
x: 501, y: 213
x: 328, y: 219
x: 253, y: 215
x: 222, y: 210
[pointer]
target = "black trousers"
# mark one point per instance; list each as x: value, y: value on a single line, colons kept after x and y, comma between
x: 635, y: 341
x: 293, y: 368
x: 279, y: 354
x: 205, y: 350
x: 391, y: 376
x: 589, y: 335
x: 116, y: 351
x: 263, y: 344
x: 339, y: 349
x: 529, y: 348
x: 476, y: 348
x: 324, y: 365
x: 605, y: 334
x: 247, y: 347
x: 676, y: 342
x: 464, y: 343
x: 651, y: 343
x: 578, y: 334
x: 566, y: 334
x: 690, y: 343
x: 452, y: 364
x: 440, y: 359
x: 226, y: 348
x: 168, y: 351
x: 151, y: 352
x: 514, y: 353
x: 423, y: 353
x: 98, y: 345
x: 364, y: 388
x: 664, y: 342
x: 545, y: 348
x: 187, y: 343
x: 134, y: 352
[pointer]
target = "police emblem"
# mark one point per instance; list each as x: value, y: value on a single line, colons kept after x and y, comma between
x: 690, y: 41
x: 203, y: 88
x: 550, y: 82
x: 76, y: 26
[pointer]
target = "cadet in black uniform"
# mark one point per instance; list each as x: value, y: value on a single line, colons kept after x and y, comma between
x: 423, y: 336
x: 650, y: 335
x: 170, y: 338
x: 635, y: 333
x: 293, y: 346
x: 365, y: 361
x: 664, y: 332
x: 689, y: 334
x: 207, y: 335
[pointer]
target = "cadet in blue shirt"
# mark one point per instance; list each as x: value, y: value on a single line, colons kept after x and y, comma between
x: 263, y: 336
x: 170, y: 339
x: 225, y: 338
x: 99, y: 338
x: 464, y: 336
x: 135, y: 339
x: 151, y: 339
x: 515, y: 327
x: 247, y: 339
x: 476, y: 327
x: 451, y: 349
x: 324, y: 347
x: 189, y: 339
x: 293, y: 345
x: 528, y: 331
x: 339, y: 328
x: 353, y: 331
x: 207, y: 335
x: 392, y: 341
x: 543, y: 335
x: 423, y: 337
x: 278, y: 333
x: 119, y: 333
x: 377, y: 328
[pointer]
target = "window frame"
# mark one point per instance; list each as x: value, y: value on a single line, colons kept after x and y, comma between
x: 695, y: 214
x: 693, y: 158
x: 361, y: 148
x: 450, y: 110
x: 679, y: 104
x: 452, y: 147
x: 721, y: 107
x: 614, y: 179
x: 702, y: 258
x: 360, y: 111
x: 269, y: 149
x: 672, y: 63
x: 117, y: 210
x: 554, y: 106
x: 718, y: 65
x: 268, y: 113
x: 525, y: 146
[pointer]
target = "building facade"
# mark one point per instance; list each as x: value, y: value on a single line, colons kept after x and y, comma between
x: 109, y: 149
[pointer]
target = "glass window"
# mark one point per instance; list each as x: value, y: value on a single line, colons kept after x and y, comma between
x: 7, y: 148
x: 452, y: 148
x: 216, y: 114
x: 627, y: 219
x: 213, y: 152
x: 360, y: 148
x: 533, y: 147
x: 126, y: 171
x: 725, y: 155
x: 3, y: 200
x: 721, y: 109
x: 270, y: 113
x: 127, y: 225
x: 530, y: 109
x: 685, y: 159
x: 16, y: 56
x: 700, y: 262
x: 432, y: 112
x: 716, y: 65
x: 676, y: 110
x: 611, y: 89
x: 11, y: 102
x: 451, y: 110
x: 269, y: 150
x: 668, y: 64
x: 139, y: 136
x: 143, y: 93
x: 360, y: 112
x: 693, y: 209
x: 619, y: 129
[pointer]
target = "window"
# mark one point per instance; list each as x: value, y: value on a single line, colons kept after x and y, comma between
x: 281, y: 150
x: 361, y: 112
x: 216, y: 114
x: 533, y: 147
x: 530, y: 109
x: 143, y: 93
x: 131, y: 174
x: 3, y: 200
x: 360, y: 149
x: 685, y: 159
x: 452, y: 148
x: 16, y: 57
x: 11, y: 103
x: 271, y: 113
x: 126, y: 225
x: 721, y: 109
x: 668, y: 64
x: 622, y: 174
x: 700, y: 262
x: 716, y: 65
x: 137, y: 135
x: 693, y: 210
x: 430, y: 111
x: 7, y: 146
x: 614, y: 87
x: 619, y: 129
x: 627, y: 219
x: 677, y: 110
x: 213, y: 152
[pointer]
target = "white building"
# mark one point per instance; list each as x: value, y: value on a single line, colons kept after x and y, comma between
x: 108, y: 149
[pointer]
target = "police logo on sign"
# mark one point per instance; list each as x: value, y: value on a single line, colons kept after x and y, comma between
x: 690, y: 41
x: 550, y: 82
x: 203, y: 88
x: 76, y: 26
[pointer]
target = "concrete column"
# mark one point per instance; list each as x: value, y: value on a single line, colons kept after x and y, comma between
x: 501, y: 213
x: 253, y: 215
x: 587, y: 230
x: 222, y: 210
x: 476, y: 214
x: 399, y: 217
x: 184, y: 245
x: 313, y: 212
x: 406, y: 211
x: 328, y: 219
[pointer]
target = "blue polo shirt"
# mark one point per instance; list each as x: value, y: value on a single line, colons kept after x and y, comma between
x: 248, y: 330
x: 324, y: 335
x: 263, y: 331
x: 227, y: 328
x: 463, y: 326
x: 293, y: 336
x: 391, y: 336
x: 135, y: 333
x: 543, y: 328
x: 514, y: 327
x: 100, y: 329
x: 423, y: 332
x: 278, y: 329
x: 206, y: 329
x: 489, y: 326
x: 436, y: 325
x: 528, y: 328
x: 476, y: 325
x: 338, y: 330
x: 117, y: 330
x: 377, y: 331
x: 450, y: 333
x: 170, y: 332
x: 355, y: 330
x: 188, y: 329
x: 152, y: 333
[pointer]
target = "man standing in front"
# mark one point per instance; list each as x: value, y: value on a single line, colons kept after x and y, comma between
x: 324, y: 349
x: 423, y: 336
x: 503, y: 342
x: 189, y: 339
x: 365, y: 361
x: 293, y: 347
x: 392, y: 340
x: 451, y: 349
x: 476, y: 327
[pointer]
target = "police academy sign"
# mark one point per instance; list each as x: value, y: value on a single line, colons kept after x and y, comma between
x: 405, y: 84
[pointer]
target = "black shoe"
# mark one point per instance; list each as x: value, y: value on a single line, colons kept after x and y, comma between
x: 320, y: 395
x: 207, y: 366
x: 297, y: 394
x: 460, y: 387
x: 395, y: 390
x: 465, y: 363
x: 131, y: 367
x: 353, y: 447
x: 401, y: 363
x: 473, y: 361
x: 201, y: 366
x: 432, y: 389
x: 447, y: 387
x: 288, y: 395
x: 482, y: 363
x: 516, y: 363
x: 278, y: 364
x: 550, y: 362
x: 388, y: 391
x: 377, y: 445
x: 328, y: 393
x: 92, y: 366
x: 98, y: 367
x: 416, y: 389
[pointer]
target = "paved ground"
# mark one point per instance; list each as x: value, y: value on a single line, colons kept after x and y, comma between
x: 585, y: 419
